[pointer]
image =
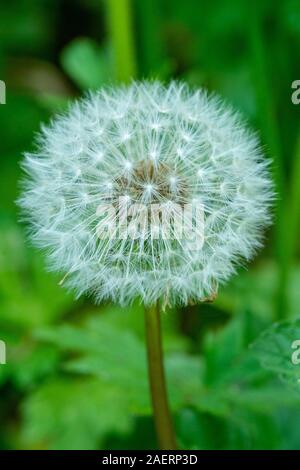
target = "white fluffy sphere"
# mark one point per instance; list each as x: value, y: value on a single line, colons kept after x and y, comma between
x: 147, y: 144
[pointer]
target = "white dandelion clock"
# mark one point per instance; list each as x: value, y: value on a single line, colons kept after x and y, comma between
x: 147, y: 191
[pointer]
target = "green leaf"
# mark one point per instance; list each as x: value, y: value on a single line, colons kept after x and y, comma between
x: 229, y: 384
x: 29, y: 295
x: 256, y: 290
x: 221, y: 350
x: 86, y: 63
x: 53, y: 102
x: 234, y: 378
x: 29, y: 366
x: 201, y: 431
x: 73, y: 414
x: 274, y: 348
x: 118, y: 357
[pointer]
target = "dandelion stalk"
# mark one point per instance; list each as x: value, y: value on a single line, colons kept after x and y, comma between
x: 162, y: 416
x: 120, y: 25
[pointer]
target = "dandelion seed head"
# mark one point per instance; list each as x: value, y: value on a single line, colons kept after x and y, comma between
x: 148, y: 144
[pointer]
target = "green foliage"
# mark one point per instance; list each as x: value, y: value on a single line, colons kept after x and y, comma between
x: 275, y: 348
x: 86, y: 63
x: 29, y: 295
x: 67, y: 414
x: 227, y: 386
x: 118, y: 358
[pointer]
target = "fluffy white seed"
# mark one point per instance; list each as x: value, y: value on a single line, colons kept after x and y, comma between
x: 147, y: 143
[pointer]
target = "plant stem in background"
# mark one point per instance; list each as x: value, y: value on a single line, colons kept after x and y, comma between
x: 294, y: 199
x: 162, y: 416
x: 271, y: 134
x: 120, y: 26
x: 293, y: 212
x: 149, y: 24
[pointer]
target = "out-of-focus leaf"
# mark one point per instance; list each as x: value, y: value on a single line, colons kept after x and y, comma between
x: 53, y: 103
x: 261, y: 399
x: 86, y: 63
x: 256, y: 289
x: 26, y: 25
x: 275, y: 350
x: 71, y: 414
x: 235, y: 379
x: 221, y: 351
x: 28, y: 366
x: 229, y: 380
x: 198, y: 431
x: 292, y: 16
x: 118, y: 358
x: 29, y: 295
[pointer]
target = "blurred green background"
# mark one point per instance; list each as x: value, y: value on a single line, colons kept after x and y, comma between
x: 76, y: 374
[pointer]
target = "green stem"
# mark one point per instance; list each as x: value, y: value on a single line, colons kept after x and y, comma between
x: 120, y: 26
x: 271, y: 133
x: 292, y: 211
x: 162, y: 416
x: 149, y: 23
x: 294, y: 200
